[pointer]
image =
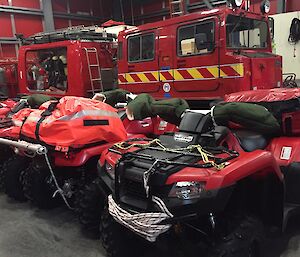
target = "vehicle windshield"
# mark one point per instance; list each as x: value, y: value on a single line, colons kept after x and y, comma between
x: 242, y: 32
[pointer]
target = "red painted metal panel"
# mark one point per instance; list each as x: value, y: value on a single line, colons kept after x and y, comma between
x: 7, y: 51
x: 4, y: 2
x: 25, y: 3
x: 61, y: 23
x: 28, y: 25
x: 293, y: 5
x: 255, y: 6
x: 59, y: 6
x: 6, y: 29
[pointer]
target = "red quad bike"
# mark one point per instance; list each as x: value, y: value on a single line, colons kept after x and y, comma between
x: 61, y: 144
x: 206, y: 186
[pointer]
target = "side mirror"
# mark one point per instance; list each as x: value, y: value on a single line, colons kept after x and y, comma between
x: 202, y: 43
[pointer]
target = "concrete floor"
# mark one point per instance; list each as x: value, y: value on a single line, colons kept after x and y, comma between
x: 28, y: 232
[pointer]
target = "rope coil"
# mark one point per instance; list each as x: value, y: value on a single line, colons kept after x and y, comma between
x: 145, y: 225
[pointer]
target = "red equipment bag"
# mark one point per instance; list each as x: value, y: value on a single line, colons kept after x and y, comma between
x: 283, y: 103
x: 73, y: 122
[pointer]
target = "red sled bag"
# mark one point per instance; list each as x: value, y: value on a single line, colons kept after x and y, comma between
x: 74, y: 122
x: 283, y: 103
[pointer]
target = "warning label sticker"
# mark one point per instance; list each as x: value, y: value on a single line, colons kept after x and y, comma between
x: 286, y: 153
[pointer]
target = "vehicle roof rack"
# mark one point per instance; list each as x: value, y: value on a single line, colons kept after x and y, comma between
x: 89, y: 33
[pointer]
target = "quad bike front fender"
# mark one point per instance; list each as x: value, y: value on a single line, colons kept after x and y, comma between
x: 258, y: 163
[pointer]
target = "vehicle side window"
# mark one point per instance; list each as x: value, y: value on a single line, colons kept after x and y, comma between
x: 141, y: 48
x: 196, y: 39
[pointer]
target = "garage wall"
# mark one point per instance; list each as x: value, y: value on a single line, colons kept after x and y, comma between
x: 26, y: 17
x: 291, y: 58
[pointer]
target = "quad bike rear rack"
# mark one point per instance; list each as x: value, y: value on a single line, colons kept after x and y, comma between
x: 25, y: 146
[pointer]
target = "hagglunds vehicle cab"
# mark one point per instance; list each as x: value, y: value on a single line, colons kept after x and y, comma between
x: 200, y: 56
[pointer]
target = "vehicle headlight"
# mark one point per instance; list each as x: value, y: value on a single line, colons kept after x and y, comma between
x: 110, y: 169
x: 236, y: 3
x: 265, y: 6
x: 187, y: 190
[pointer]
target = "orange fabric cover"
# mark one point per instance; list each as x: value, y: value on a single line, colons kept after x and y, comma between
x: 75, y: 122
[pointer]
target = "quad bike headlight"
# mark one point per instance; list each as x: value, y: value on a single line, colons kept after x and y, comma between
x: 110, y: 169
x: 187, y: 190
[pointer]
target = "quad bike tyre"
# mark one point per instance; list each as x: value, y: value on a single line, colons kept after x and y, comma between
x: 89, y: 206
x: 37, y: 186
x: 11, y: 172
x: 5, y: 153
x: 117, y: 240
x: 244, y: 241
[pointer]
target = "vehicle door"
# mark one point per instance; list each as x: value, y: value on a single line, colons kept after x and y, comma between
x: 142, y: 63
x: 197, y: 57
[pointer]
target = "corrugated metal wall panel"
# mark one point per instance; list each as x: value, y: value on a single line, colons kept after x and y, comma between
x: 61, y: 23
x: 5, y: 28
x: 81, y: 22
x: 80, y: 6
x: 7, y: 51
x: 27, y: 24
x: 60, y: 6
x: 35, y: 4
x: 139, y: 12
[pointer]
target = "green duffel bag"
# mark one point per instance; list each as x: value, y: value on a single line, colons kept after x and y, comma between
x: 36, y: 100
x: 144, y: 106
x: 115, y: 96
x: 250, y: 116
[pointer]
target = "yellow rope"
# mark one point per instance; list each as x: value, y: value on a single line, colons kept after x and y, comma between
x: 205, y: 155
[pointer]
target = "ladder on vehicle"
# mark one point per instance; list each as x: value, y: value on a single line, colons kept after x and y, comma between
x: 177, y: 8
x: 94, y: 69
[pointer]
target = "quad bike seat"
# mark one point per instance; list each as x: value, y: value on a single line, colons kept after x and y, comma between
x: 250, y: 140
x: 195, y: 122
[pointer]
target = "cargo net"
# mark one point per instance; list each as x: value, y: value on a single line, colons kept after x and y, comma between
x: 148, y: 225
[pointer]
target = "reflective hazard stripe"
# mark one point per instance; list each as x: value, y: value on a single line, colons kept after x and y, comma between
x: 235, y: 70
x: 84, y: 113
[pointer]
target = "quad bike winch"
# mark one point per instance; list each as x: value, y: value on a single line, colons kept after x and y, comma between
x: 169, y: 190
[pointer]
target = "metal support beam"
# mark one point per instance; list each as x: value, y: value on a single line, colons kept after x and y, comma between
x: 9, y: 40
x: 48, y: 15
x: 21, y: 10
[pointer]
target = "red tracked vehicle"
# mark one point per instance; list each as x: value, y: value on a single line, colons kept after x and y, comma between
x: 222, y: 195
x: 200, y: 56
x: 75, y: 61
